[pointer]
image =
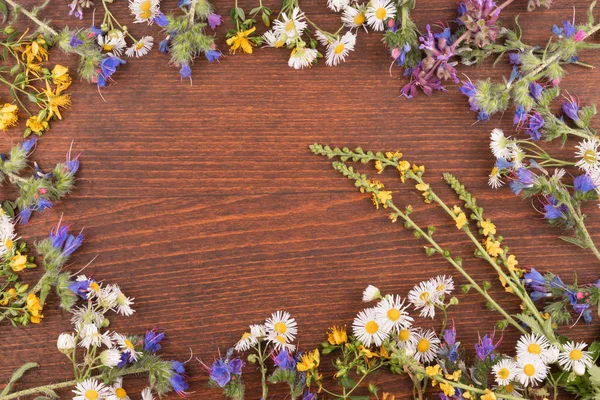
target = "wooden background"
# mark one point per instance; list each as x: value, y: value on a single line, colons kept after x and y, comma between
x: 204, y: 203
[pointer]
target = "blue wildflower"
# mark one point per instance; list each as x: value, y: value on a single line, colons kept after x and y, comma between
x: 220, y: 373
x: 534, y: 278
x: 185, y: 71
x: 284, y: 360
x: 569, y: 29
x: 25, y: 215
x: 483, y: 116
x: 535, y: 90
x: 161, y: 20
x: 125, y: 359
x: 525, y: 176
x: 63, y: 242
x: 178, y: 378
x: 536, y: 122
x: 571, y: 109
x: 514, y: 74
x: 514, y: 58
x: 309, y: 396
x: 81, y: 287
x: 214, y: 20
x: 501, y: 163
x: 557, y: 30
x: 43, y: 204
x: 152, y: 341
x: 553, y: 209
x: 235, y: 366
x: 520, y: 115
x: 163, y: 46
x: 75, y: 41
x: 28, y: 144
x: 108, y: 66
x: 583, y: 183
x: 486, y: 346
x: 213, y: 55
x: 402, y: 55
x: 95, y: 31
x: 183, y: 3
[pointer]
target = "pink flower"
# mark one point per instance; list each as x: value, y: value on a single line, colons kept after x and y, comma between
x: 579, y: 36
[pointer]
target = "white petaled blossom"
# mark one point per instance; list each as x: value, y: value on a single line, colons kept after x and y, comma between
x: 426, y: 345
x: 339, y: 49
x: 126, y: 346
x: 378, y: 12
x: 90, y: 389
x: 86, y: 315
x: 371, y: 293
x: 141, y: 47
x: 246, y: 341
x: 517, y: 156
x: 110, y: 357
x: 337, y: 5
x: 494, y: 179
x: 117, y: 392
x: 66, y: 342
x: 107, y: 296
x: 406, y: 339
x: 282, y: 323
x: 393, y: 312
x: 144, y: 10
x: 322, y: 38
x: 302, y: 57
x: 273, y: 39
x: 443, y: 285
x: 123, y: 306
x: 280, y: 342
x: 535, y: 346
x: 91, y: 337
x: 369, y: 329
x: 574, y: 358
x: 7, y: 236
x: 147, y: 394
x: 500, y: 145
x: 531, y: 370
x: 292, y: 27
x: 258, y: 331
x: 504, y: 371
x: 113, y: 42
x: 354, y: 17
x: 552, y: 355
x: 423, y: 296
x: 588, y: 154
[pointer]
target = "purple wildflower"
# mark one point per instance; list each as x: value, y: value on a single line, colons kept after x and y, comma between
x: 235, y: 366
x: 161, y: 20
x: 284, y: 360
x: 309, y: 396
x: 536, y: 122
x: 480, y: 18
x: 535, y: 90
x: 421, y: 79
x: 163, y: 46
x: 28, y: 144
x: 185, y: 71
x: 553, y: 209
x: 213, y: 55
x: 583, y: 183
x: 178, y: 378
x: 25, y: 215
x: 440, y: 51
x: 108, y: 66
x: 214, y: 20
x: 514, y: 58
x: 152, y: 340
x: 220, y: 373
x: 571, y: 108
x: 486, y: 346
x: 520, y: 116
x: 64, y: 242
x: 75, y: 41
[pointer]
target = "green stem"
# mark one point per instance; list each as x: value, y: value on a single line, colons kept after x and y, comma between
x: 263, y: 370
x: 32, y: 17
x: 582, y: 229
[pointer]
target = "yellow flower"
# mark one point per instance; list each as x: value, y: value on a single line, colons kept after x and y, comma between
x: 388, y: 396
x: 35, y: 50
x: 403, y: 168
x: 18, y: 262
x: 461, y: 218
x: 466, y: 395
x: 382, y: 197
x: 396, y: 154
x: 422, y: 187
x: 8, y: 116
x: 489, y: 395
x: 488, y: 227
x: 383, y: 353
x: 379, y: 166
x: 447, y: 388
x: 61, y: 77
x: 308, y: 361
x: 432, y: 371
x: 56, y: 101
x: 505, y: 284
x: 511, y: 262
x: 455, y: 376
x: 8, y: 296
x: 417, y: 169
x: 35, y: 125
x: 493, y: 247
x: 240, y: 41
x: 337, y: 335
x: 363, y: 351
x: 35, y: 308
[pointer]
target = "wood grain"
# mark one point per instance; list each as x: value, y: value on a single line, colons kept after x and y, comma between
x: 205, y: 204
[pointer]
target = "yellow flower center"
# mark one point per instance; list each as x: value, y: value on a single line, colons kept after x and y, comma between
x: 128, y: 344
x: 404, y: 335
x: 245, y: 336
x: 393, y: 314
x: 280, y: 339
x: 290, y: 26
x: 440, y: 287
x: 575, y: 355
x: 371, y: 327
x: 534, y: 348
x: 139, y: 45
x: 279, y: 43
x: 145, y: 5
x: 590, y: 156
x: 94, y: 286
x: 503, y: 373
x: 108, y: 47
x: 423, y: 346
x: 424, y: 296
x: 281, y: 327
x: 339, y: 48
x: 359, y: 18
x: 494, y: 171
x: 529, y: 370
x: 381, y: 13
x: 120, y: 393
x: 91, y: 394
x: 9, y: 244
x: 509, y: 388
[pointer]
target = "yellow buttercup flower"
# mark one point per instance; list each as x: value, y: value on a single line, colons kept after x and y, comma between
x: 493, y: 247
x: 447, y: 388
x: 432, y: 370
x: 337, y: 335
x: 488, y: 227
x: 56, y: 101
x: 455, y: 376
x: 8, y: 116
x: 309, y: 361
x: 489, y: 395
x: 461, y: 218
x: 35, y: 308
x: 18, y: 262
x: 35, y: 50
x: 61, y: 77
x: 240, y: 41
x: 35, y: 125
x: 511, y: 262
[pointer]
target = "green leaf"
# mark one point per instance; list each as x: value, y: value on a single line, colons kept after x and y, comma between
x: 594, y: 372
x: 347, y: 382
x: 531, y: 323
x: 591, y: 13
x: 575, y: 241
x: 18, y: 374
x: 4, y: 10
x: 240, y: 13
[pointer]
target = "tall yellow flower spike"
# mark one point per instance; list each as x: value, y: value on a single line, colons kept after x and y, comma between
x: 511, y: 262
x: 240, y: 41
x: 488, y: 227
x: 461, y: 218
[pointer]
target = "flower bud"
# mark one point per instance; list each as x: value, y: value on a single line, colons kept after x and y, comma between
x: 65, y: 342
x: 110, y: 358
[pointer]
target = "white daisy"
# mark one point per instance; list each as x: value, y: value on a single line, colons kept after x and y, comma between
x: 141, y: 48
x: 126, y: 346
x: 378, y: 12
x: 517, y: 155
x: 107, y: 296
x: 500, y: 145
x: 574, y: 358
x: 369, y: 329
x: 371, y: 293
x: 552, y: 355
x: 494, y: 179
x: 117, y: 392
x: 258, y: 331
x: 589, y: 155
x: 423, y: 296
x: 280, y: 342
x: 86, y: 315
x: 90, y: 336
x: 144, y: 10
x: 292, y: 27
x: 123, y: 306
x: 530, y: 370
x: 113, y: 41
x: 323, y: 39
x: 533, y: 345
x: 110, y: 358
x: 246, y: 341
x: 282, y: 323
x: 7, y: 236
x: 354, y: 17
x: 337, y: 5
x: 427, y: 345
x: 302, y: 57
x: 339, y: 49
x: 273, y: 39
x: 392, y: 311
x: 66, y: 342
x: 147, y: 394
x: 406, y: 339
x: 443, y: 285
x: 504, y: 371
x: 90, y: 389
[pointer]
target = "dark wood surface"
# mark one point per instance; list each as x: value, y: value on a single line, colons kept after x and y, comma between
x: 204, y: 203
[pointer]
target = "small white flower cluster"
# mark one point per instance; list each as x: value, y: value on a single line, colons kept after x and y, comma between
x: 428, y: 295
x: 279, y: 331
x: 113, y: 42
x: 92, y: 389
x: 389, y: 318
x: 375, y: 14
x: 7, y: 236
x: 535, y: 354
